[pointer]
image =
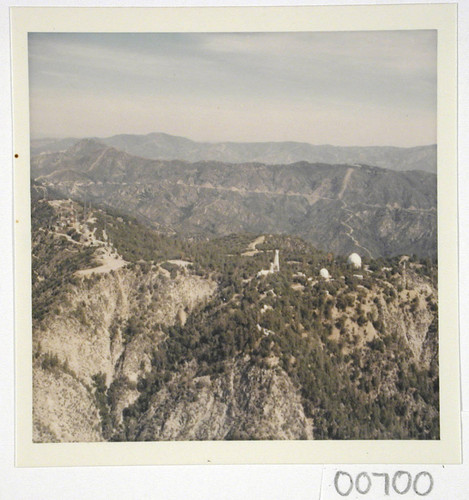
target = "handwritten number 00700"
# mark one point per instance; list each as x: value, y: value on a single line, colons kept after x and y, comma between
x: 401, y: 482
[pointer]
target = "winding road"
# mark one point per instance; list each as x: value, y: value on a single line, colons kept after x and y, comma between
x: 345, y: 223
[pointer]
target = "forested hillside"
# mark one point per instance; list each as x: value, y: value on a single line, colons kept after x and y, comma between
x: 140, y: 335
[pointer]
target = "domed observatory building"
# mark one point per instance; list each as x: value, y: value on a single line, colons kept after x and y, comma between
x: 354, y: 260
x: 324, y: 273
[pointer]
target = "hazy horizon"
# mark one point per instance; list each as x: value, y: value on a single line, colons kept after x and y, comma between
x: 322, y: 88
x: 96, y: 137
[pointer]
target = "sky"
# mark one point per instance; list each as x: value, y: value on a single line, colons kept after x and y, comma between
x: 373, y: 88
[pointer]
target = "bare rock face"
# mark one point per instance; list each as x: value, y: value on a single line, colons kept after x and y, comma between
x: 94, y: 332
x: 63, y: 409
x: 246, y: 402
x: 88, y: 331
x: 179, y: 294
x: 410, y: 316
x: 81, y: 332
x: 136, y: 357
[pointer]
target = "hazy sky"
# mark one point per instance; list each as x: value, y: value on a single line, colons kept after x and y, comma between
x: 341, y: 88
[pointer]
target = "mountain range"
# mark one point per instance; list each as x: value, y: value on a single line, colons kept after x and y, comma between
x: 337, y: 207
x: 160, y: 146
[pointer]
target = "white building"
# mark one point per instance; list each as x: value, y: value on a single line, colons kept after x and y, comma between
x: 324, y: 273
x: 274, y: 266
x: 276, y: 262
x: 354, y: 260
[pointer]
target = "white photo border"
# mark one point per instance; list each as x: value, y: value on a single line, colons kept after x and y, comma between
x: 441, y: 17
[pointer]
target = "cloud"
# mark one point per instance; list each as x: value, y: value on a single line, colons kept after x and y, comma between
x: 224, y: 86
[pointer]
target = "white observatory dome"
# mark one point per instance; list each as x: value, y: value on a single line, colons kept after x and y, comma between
x: 324, y: 273
x: 355, y: 260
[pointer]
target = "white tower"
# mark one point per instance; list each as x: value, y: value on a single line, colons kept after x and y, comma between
x: 276, y: 262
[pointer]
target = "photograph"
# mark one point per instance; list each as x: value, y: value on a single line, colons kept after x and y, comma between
x: 229, y: 242
x: 235, y: 239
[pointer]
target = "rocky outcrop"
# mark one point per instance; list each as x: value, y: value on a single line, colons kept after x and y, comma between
x: 64, y: 410
x: 411, y: 316
x: 93, y: 318
x: 246, y: 402
x: 94, y: 331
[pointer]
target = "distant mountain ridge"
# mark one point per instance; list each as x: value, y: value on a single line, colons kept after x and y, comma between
x: 161, y: 146
x: 338, y: 208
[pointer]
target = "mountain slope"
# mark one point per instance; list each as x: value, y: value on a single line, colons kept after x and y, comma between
x: 341, y: 208
x: 142, y: 336
x: 168, y: 147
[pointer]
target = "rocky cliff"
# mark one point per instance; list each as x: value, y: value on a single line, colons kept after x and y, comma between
x: 245, y: 402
